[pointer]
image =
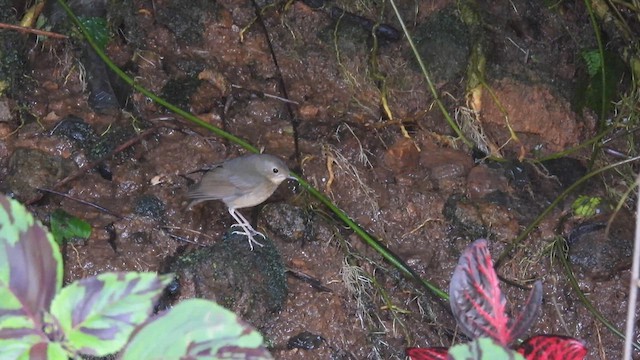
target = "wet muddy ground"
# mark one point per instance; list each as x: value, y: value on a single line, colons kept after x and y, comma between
x: 356, y: 119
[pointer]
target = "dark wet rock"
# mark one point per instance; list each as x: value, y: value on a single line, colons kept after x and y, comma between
x: 483, y: 218
x: 288, y: 222
x: 567, y: 170
x: 402, y: 156
x: 186, y: 20
x: 149, y: 206
x: 250, y: 283
x: 305, y: 341
x: 444, y: 41
x: 483, y: 181
x: 180, y: 90
x: 109, y: 142
x: 382, y: 31
x: 30, y: 169
x: 447, y: 168
x: 601, y: 255
x: 516, y: 172
x: 76, y: 130
x: 464, y: 217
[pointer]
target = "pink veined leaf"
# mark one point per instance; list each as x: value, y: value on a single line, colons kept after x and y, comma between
x: 476, y: 300
x: 552, y: 347
x: 432, y: 353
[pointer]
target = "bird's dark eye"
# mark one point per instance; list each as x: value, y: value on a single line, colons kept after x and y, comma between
x: 275, y: 170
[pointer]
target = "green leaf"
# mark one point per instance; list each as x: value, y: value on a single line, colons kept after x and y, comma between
x: 67, y: 227
x: 40, y: 350
x: 30, y: 274
x: 98, y: 28
x: 196, y: 329
x: 483, y: 349
x: 98, y: 314
x: 586, y: 206
x: 593, y: 60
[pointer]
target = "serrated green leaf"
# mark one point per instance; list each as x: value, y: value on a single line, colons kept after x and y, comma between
x: 66, y: 227
x: 98, y: 28
x: 30, y: 273
x: 196, y: 329
x: 593, y: 60
x: 99, y: 313
x: 483, y: 349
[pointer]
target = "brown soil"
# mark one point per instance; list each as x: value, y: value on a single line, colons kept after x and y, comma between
x: 420, y: 193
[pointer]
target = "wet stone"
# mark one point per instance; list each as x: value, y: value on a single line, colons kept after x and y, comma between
x: 250, y: 283
x: 288, y: 222
x: 109, y: 142
x: 402, y: 156
x: 76, y: 130
x: 445, y: 40
x: 305, y: 341
x: 446, y: 165
x: 149, y: 206
x: 483, y: 181
x: 30, y: 169
x: 601, y: 255
x: 465, y: 217
x: 567, y: 170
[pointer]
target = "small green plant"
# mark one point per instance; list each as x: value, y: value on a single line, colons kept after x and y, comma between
x: 66, y: 227
x: 479, y: 307
x: 103, y: 314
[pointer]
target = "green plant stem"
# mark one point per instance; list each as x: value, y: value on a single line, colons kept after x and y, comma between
x: 603, y: 77
x: 587, y: 304
x: 432, y: 87
x: 371, y: 241
x: 555, y: 203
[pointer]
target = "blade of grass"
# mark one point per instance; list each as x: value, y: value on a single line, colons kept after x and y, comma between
x: 583, y: 299
x: 633, y: 287
x: 432, y: 87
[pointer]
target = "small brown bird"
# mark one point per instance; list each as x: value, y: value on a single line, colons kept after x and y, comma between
x: 242, y: 182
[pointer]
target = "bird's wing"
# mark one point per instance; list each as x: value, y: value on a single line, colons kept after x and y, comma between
x: 219, y: 184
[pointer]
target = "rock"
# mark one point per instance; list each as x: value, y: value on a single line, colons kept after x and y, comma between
x: 250, y: 283
x: 149, y: 206
x: 30, y: 169
x: 601, y: 255
x: 288, y: 222
x: 402, y: 156
x: 483, y: 181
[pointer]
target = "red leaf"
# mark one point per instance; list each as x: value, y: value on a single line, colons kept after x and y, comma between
x: 478, y: 304
x: 529, y: 312
x: 552, y: 347
x: 476, y: 300
x: 432, y: 353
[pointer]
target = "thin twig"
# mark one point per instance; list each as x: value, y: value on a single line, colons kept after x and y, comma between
x: 33, y: 31
x: 84, y: 202
x: 266, y: 95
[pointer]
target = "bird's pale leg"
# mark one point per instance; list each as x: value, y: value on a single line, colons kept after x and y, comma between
x: 248, y: 230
